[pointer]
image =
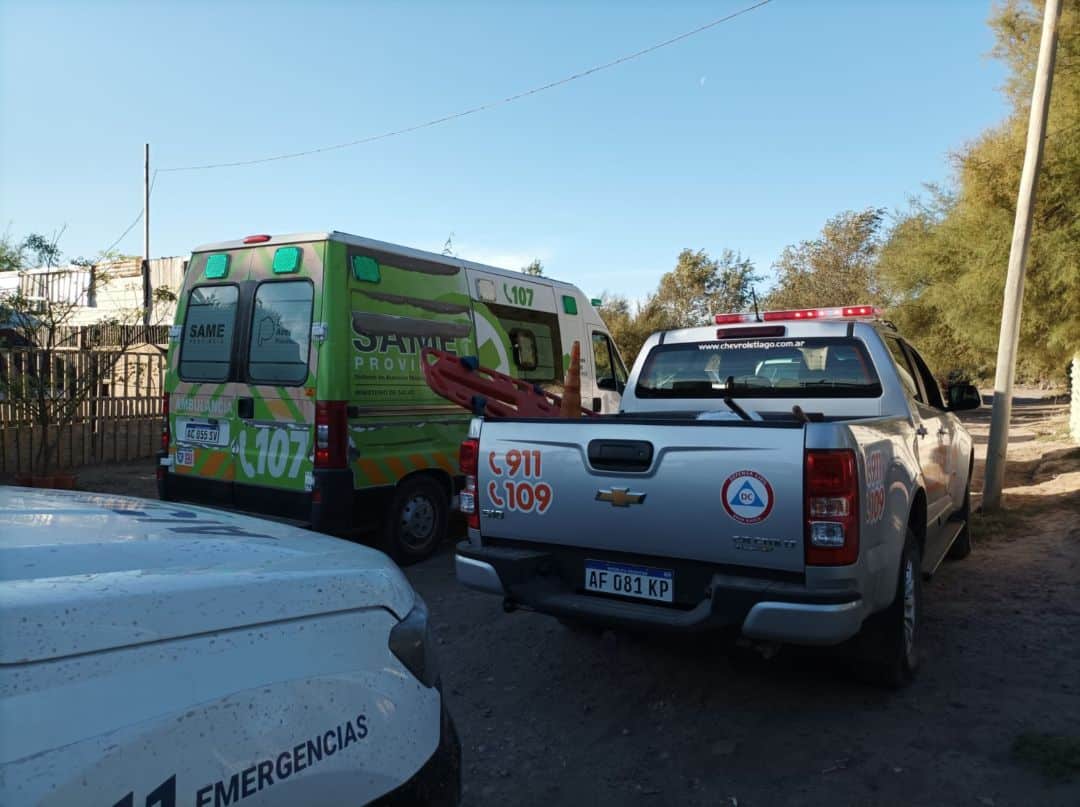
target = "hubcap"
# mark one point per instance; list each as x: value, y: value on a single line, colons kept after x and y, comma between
x: 909, y: 608
x: 417, y: 521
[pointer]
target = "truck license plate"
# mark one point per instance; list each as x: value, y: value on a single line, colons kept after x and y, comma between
x: 200, y: 433
x: 643, y: 582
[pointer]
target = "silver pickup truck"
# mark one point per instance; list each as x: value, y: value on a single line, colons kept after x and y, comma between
x: 787, y: 475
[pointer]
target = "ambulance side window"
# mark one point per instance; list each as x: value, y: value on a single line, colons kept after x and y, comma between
x: 524, y: 344
x: 535, y: 343
x: 280, y: 333
x: 206, y: 342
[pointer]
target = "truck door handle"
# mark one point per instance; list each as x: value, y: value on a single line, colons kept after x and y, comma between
x: 620, y: 455
x: 245, y: 408
x: 920, y: 431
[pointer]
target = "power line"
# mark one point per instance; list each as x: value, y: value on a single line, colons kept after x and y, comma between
x: 131, y: 226
x: 472, y: 111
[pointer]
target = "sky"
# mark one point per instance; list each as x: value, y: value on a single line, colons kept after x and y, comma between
x: 747, y: 136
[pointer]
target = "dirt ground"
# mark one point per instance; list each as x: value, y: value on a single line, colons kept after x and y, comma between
x: 548, y: 717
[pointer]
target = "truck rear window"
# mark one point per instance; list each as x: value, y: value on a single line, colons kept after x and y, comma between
x: 207, y: 340
x: 778, y: 368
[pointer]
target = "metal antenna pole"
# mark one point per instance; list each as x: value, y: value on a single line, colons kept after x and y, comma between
x: 1014, y: 283
x: 146, y: 236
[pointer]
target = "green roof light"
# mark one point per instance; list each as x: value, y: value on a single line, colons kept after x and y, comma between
x: 217, y: 266
x: 365, y: 268
x: 286, y: 260
x: 596, y: 302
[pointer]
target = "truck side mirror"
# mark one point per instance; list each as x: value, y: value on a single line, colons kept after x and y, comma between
x: 963, y: 397
x: 608, y: 383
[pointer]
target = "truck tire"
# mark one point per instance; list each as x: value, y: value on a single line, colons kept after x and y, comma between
x: 416, y: 522
x: 888, y: 650
x: 961, y: 547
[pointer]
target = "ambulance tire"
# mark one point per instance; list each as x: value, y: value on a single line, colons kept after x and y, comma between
x: 416, y: 521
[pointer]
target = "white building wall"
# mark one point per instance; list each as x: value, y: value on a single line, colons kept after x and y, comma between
x: 105, y: 291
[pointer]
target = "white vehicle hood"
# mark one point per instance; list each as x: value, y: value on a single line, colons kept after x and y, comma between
x: 84, y: 572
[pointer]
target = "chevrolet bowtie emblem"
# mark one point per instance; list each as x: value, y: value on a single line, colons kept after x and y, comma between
x: 619, y: 497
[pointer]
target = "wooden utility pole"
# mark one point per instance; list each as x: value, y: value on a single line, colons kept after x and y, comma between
x: 1014, y: 282
x: 147, y: 302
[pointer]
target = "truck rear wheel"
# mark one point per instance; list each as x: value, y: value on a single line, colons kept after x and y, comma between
x: 416, y: 522
x: 888, y: 647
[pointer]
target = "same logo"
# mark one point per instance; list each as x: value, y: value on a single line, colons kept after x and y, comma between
x: 747, y: 497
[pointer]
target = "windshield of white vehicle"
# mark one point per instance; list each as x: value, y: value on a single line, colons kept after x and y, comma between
x: 777, y: 368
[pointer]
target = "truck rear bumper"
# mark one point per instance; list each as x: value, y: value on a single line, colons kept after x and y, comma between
x: 760, y: 608
x: 810, y: 623
x: 477, y: 574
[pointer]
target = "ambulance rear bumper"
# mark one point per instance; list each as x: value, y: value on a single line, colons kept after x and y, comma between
x: 326, y: 508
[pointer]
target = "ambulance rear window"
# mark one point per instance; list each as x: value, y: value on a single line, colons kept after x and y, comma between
x: 207, y: 340
x: 280, y: 333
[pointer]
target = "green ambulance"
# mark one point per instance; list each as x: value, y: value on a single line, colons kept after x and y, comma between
x: 294, y: 385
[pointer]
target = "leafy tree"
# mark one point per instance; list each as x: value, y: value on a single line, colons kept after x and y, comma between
x: 12, y: 254
x: 837, y: 268
x: 700, y: 286
x: 630, y: 325
x: 46, y: 250
x: 945, y: 261
x: 535, y: 268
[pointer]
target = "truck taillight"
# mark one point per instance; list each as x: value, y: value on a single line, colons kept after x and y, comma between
x: 165, y: 436
x: 832, y: 507
x: 468, y: 461
x: 331, y: 434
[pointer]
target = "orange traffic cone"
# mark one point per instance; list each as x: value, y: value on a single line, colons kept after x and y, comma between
x: 571, y: 398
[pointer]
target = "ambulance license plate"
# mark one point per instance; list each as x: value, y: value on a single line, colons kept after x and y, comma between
x: 202, y: 433
x: 626, y: 580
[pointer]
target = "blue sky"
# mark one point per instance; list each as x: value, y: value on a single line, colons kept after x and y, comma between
x: 747, y: 136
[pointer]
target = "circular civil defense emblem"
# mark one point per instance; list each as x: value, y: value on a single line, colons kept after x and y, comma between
x: 747, y: 497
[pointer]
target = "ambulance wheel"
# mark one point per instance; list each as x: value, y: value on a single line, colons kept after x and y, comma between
x: 416, y: 523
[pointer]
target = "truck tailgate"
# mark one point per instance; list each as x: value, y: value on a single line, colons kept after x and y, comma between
x: 715, y: 492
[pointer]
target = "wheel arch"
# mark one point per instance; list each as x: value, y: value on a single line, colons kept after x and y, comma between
x: 440, y: 476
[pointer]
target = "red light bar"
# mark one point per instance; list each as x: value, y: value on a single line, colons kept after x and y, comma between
x: 731, y: 319
x: 847, y: 312
x: 803, y: 313
x: 862, y: 311
x: 256, y: 239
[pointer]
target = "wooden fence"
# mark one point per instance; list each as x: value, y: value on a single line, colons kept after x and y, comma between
x: 112, y: 403
x: 102, y: 336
